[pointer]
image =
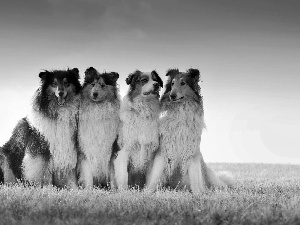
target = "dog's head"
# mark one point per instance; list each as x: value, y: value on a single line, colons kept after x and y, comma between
x: 144, y: 84
x: 60, y: 84
x: 182, y: 86
x: 100, y: 86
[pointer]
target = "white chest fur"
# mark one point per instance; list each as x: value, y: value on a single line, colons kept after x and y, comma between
x: 180, y: 133
x: 97, y: 130
x: 60, y: 133
x: 140, y: 129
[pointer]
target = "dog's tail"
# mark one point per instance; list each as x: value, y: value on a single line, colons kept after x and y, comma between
x: 220, y: 179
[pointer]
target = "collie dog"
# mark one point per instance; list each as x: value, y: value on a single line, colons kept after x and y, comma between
x: 43, y: 145
x: 98, y: 127
x: 138, y: 138
x: 179, y: 162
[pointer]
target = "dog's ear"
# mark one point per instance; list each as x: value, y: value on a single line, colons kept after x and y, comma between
x: 114, y: 76
x: 172, y: 72
x: 90, y: 74
x: 158, y: 79
x: 75, y: 72
x: 110, y: 78
x: 43, y: 75
x: 194, y: 73
x: 131, y: 79
x: 90, y: 70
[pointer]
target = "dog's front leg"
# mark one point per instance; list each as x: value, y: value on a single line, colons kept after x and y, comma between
x: 143, y: 153
x: 156, y: 172
x: 112, y: 179
x: 197, y: 174
x: 34, y: 168
x: 47, y: 178
x: 121, y: 173
x: 86, y: 176
x: 71, y: 179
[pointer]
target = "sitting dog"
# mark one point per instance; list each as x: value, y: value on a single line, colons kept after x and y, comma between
x: 179, y: 162
x: 48, y: 135
x: 98, y: 127
x: 139, y: 129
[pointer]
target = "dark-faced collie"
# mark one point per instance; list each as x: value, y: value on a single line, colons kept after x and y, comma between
x: 179, y: 162
x: 98, y: 127
x: 139, y: 132
x: 43, y: 145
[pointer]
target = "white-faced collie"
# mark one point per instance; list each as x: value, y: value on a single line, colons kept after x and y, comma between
x: 43, y: 145
x: 179, y: 162
x: 98, y: 128
x: 138, y: 138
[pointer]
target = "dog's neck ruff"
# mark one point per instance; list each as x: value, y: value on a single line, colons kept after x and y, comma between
x: 59, y: 132
x: 180, y: 129
x: 49, y: 105
x: 141, y: 107
x: 97, y: 130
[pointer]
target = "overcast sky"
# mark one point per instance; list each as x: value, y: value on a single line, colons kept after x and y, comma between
x: 248, y: 53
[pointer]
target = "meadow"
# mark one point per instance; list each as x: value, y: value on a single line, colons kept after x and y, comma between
x: 264, y: 194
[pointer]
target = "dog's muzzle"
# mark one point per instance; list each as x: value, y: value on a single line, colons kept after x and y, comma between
x: 61, y: 99
x: 152, y: 92
x: 95, y: 96
x: 174, y: 98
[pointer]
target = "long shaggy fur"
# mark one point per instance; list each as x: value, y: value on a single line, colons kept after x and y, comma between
x: 60, y: 134
x: 54, y: 116
x: 179, y: 163
x: 24, y: 137
x: 98, y: 127
x: 139, y: 131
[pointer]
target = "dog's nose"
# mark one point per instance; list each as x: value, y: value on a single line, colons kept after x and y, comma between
x: 60, y: 93
x: 173, y: 96
x: 95, y: 94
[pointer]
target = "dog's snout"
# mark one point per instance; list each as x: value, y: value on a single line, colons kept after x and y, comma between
x: 61, y: 93
x: 95, y: 94
x: 173, y: 96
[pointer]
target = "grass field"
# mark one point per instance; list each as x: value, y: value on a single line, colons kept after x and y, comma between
x: 264, y: 194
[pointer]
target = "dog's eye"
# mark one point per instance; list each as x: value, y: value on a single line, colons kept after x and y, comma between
x: 103, y: 85
x: 93, y: 84
x: 182, y: 83
x: 172, y: 83
x: 66, y: 83
x: 54, y: 84
x: 144, y: 81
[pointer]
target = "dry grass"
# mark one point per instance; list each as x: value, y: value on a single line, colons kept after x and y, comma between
x: 264, y: 194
